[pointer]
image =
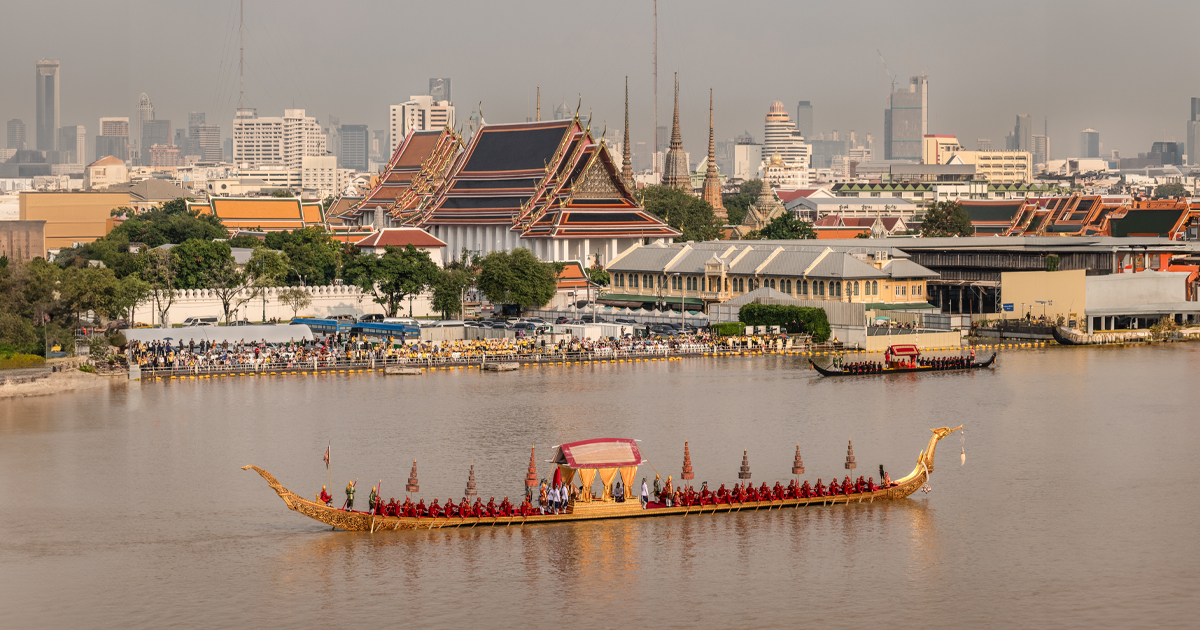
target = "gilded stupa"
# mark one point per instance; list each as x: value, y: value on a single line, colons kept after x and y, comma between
x: 766, y: 207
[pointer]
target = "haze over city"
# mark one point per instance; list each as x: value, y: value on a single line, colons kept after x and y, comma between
x: 1069, y: 65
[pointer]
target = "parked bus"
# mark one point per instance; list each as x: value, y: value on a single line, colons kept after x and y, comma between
x: 381, y: 331
x: 325, y: 326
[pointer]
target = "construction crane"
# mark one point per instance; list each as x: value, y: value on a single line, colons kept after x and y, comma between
x: 887, y: 70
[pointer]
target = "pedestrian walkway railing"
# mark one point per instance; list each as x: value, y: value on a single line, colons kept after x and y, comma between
x: 546, y: 355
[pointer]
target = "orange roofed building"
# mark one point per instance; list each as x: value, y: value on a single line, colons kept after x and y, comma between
x: 378, y: 242
x: 263, y: 214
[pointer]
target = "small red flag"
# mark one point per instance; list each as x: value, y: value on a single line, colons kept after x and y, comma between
x: 326, y: 458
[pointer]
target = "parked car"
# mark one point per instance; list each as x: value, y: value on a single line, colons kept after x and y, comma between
x: 625, y: 320
x: 371, y: 317
x: 528, y: 327
x: 593, y: 319
x: 562, y: 320
x: 474, y: 324
x: 200, y: 321
x: 662, y: 329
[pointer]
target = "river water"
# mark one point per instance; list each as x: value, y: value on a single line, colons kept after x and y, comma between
x: 1076, y: 507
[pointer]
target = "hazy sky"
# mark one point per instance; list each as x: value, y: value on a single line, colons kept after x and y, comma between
x: 1118, y: 67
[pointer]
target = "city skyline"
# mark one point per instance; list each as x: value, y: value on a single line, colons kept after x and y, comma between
x: 968, y: 98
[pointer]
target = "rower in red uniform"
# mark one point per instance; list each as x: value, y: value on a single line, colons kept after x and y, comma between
x: 420, y: 509
x: 451, y: 509
x: 477, y: 508
x: 764, y: 493
x: 847, y: 486
x: 722, y: 494
x: 434, y: 510
x: 871, y: 484
x: 526, y: 508
x: 777, y: 492
x: 806, y: 490
x: 490, y: 508
x: 834, y: 487
x: 820, y: 489
x: 406, y: 509
x: 505, y: 507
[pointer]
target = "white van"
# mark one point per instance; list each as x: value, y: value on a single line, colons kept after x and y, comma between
x: 200, y: 321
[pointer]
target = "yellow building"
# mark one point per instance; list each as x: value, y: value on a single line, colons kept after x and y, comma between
x: 937, y: 148
x: 997, y: 167
x: 72, y: 217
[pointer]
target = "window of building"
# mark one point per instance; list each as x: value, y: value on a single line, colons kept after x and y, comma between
x: 788, y: 287
x: 803, y: 287
x: 726, y: 285
x: 875, y: 287
x: 856, y: 287
x: 837, y: 288
x: 633, y: 281
x: 820, y: 284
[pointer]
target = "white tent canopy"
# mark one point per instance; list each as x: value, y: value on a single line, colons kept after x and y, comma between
x: 219, y: 334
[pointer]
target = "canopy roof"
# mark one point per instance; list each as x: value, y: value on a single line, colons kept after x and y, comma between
x: 904, y: 350
x: 280, y: 333
x: 599, y: 453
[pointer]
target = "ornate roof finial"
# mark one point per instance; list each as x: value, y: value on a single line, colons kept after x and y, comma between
x: 712, y: 185
x: 626, y: 165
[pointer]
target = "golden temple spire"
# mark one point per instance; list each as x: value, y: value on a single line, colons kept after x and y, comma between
x: 539, y: 103
x: 626, y: 165
x: 712, y: 185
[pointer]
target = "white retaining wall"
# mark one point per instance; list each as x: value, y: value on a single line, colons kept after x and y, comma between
x: 326, y: 301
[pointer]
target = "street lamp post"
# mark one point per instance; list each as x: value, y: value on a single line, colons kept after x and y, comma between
x: 682, y: 307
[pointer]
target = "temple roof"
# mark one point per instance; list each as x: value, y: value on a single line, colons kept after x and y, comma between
x: 599, y: 453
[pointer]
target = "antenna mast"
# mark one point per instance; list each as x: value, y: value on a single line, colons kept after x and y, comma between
x: 654, y: 151
x: 241, y: 53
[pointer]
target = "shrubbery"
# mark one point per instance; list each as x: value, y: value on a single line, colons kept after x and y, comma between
x: 794, y: 319
x: 10, y: 359
x: 728, y: 329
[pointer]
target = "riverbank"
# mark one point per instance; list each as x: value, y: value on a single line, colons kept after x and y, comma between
x: 53, y: 383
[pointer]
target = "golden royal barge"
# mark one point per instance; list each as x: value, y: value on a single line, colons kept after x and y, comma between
x: 609, y: 458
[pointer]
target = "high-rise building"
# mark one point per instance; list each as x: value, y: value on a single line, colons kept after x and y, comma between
x: 804, y: 119
x: 1021, y: 138
x: 154, y: 132
x: 354, y: 147
x: 675, y: 169
x: 145, y: 109
x: 72, y: 144
x: 16, y: 134
x: 1041, y: 149
x: 182, y: 142
x: 439, y: 90
x: 937, y: 148
x: 1089, y: 143
x: 1193, y: 133
x: 983, y: 144
x: 46, y: 73
x: 780, y: 136
x: 906, y: 120
x: 378, y: 143
x: 276, y: 140
x: 419, y: 113
x: 113, y: 139
x: 1167, y: 153
x: 203, y: 140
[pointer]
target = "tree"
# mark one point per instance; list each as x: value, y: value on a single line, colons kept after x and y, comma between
x: 691, y: 215
x: 245, y: 241
x: 158, y: 270
x: 196, y: 261
x: 314, y: 256
x: 448, y: 289
x: 87, y: 289
x: 171, y: 223
x: 1170, y: 191
x: 131, y: 291
x: 946, y: 218
x: 737, y: 205
x: 598, y: 275
x: 518, y: 278
x: 296, y: 299
x: 787, y: 227
x: 392, y: 277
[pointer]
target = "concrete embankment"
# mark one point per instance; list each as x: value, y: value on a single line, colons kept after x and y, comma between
x: 46, y: 383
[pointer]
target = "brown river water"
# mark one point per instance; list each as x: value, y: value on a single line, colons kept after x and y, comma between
x: 1077, y: 506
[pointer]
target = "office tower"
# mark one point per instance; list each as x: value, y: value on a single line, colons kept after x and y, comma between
x: 204, y: 140
x: 804, y: 119
x: 378, y: 144
x: 16, y: 134
x: 419, y: 113
x: 113, y: 139
x: 1089, y: 143
x: 1167, y: 153
x: 227, y: 149
x: 145, y: 110
x: 1041, y: 149
x: 181, y: 142
x: 906, y: 120
x: 72, y: 144
x: 46, y: 73
x: 354, y: 147
x: 983, y: 144
x: 439, y: 90
x: 154, y: 132
x: 1022, y: 135
x: 1193, y: 133
x: 780, y: 136
x: 274, y: 140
